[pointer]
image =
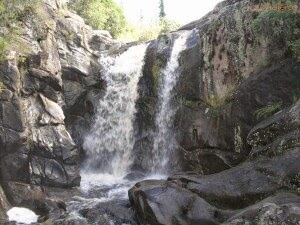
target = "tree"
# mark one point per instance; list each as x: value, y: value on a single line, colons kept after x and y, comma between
x: 101, y: 14
x: 162, y: 13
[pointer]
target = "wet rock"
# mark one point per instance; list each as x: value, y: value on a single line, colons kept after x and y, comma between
x: 162, y: 202
x: 35, y: 198
x: 117, y: 212
x: 11, y: 116
x: 200, y: 160
x: 283, y: 208
x: 244, y: 184
x: 4, y: 205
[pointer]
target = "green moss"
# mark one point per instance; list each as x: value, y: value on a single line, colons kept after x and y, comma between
x: 156, y: 70
x: 3, y: 47
x: 216, y: 101
x: 268, y: 110
x: 2, y: 87
x: 12, y: 15
x: 215, y: 25
x: 274, y: 23
x: 294, y: 46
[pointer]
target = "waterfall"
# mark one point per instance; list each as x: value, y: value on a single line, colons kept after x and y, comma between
x: 164, y: 139
x: 109, y: 144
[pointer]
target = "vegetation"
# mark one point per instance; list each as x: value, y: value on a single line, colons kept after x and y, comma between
x: 12, y: 14
x: 214, y: 101
x: 272, y: 22
x: 162, y: 13
x: 295, y: 48
x: 2, y: 86
x: 268, y: 110
x: 101, y: 14
x: 147, y: 33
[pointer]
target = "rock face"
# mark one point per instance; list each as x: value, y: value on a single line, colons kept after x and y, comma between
x: 3, y: 205
x: 235, y: 65
x: 237, y: 122
x: 45, y: 102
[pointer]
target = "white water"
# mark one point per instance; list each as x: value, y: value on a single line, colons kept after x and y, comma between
x: 110, y: 142
x: 164, y: 140
x: 22, y: 215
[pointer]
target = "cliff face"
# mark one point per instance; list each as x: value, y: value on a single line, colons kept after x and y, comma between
x: 38, y: 95
x: 237, y: 123
x: 239, y: 61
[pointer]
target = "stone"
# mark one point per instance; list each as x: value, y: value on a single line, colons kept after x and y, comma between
x: 161, y: 202
x: 283, y: 208
x: 4, y: 205
x: 288, y: 120
x: 244, y: 184
x: 53, y: 109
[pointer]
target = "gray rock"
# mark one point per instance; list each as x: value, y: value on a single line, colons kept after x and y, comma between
x: 244, y: 184
x: 281, y: 209
x: 4, y: 205
x: 53, y: 109
x: 161, y: 202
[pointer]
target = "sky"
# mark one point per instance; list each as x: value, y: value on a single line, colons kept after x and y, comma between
x: 182, y: 11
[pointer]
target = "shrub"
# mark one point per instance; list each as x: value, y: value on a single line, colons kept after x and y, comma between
x: 273, y: 22
x: 101, y: 14
x: 268, y: 110
x: 12, y: 14
x: 147, y: 33
x: 167, y: 25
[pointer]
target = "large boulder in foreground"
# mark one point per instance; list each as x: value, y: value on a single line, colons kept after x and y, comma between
x: 283, y: 208
x: 243, y: 185
x: 162, y: 202
x: 196, y: 199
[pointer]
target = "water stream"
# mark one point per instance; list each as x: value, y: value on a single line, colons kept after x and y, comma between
x: 110, y: 142
x: 165, y: 140
x: 106, y: 175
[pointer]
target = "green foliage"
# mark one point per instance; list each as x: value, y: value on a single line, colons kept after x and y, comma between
x: 167, y: 25
x: 3, y: 48
x: 101, y: 14
x: 295, y: 48
x: 275, y: 23
x: 2, y: 86
x: 12, y: 15
x: 162, y: 13
x: 147, y: 33
x: 268, y: 110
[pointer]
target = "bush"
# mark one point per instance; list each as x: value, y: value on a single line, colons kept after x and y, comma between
x: 101, y: 14
x: 167, y: 25
x: 147, y: 33
x: 12, y: 14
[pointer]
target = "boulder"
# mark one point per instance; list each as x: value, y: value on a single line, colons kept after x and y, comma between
x: 284, y: 123
x: 162, y: 202
x: 244, y: 184
x: 117, y: 211
x: 53, y: 109
x: 283, y: 208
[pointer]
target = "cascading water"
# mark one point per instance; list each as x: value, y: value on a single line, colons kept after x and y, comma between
x: 164, y: 139
x: 110, y: 142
